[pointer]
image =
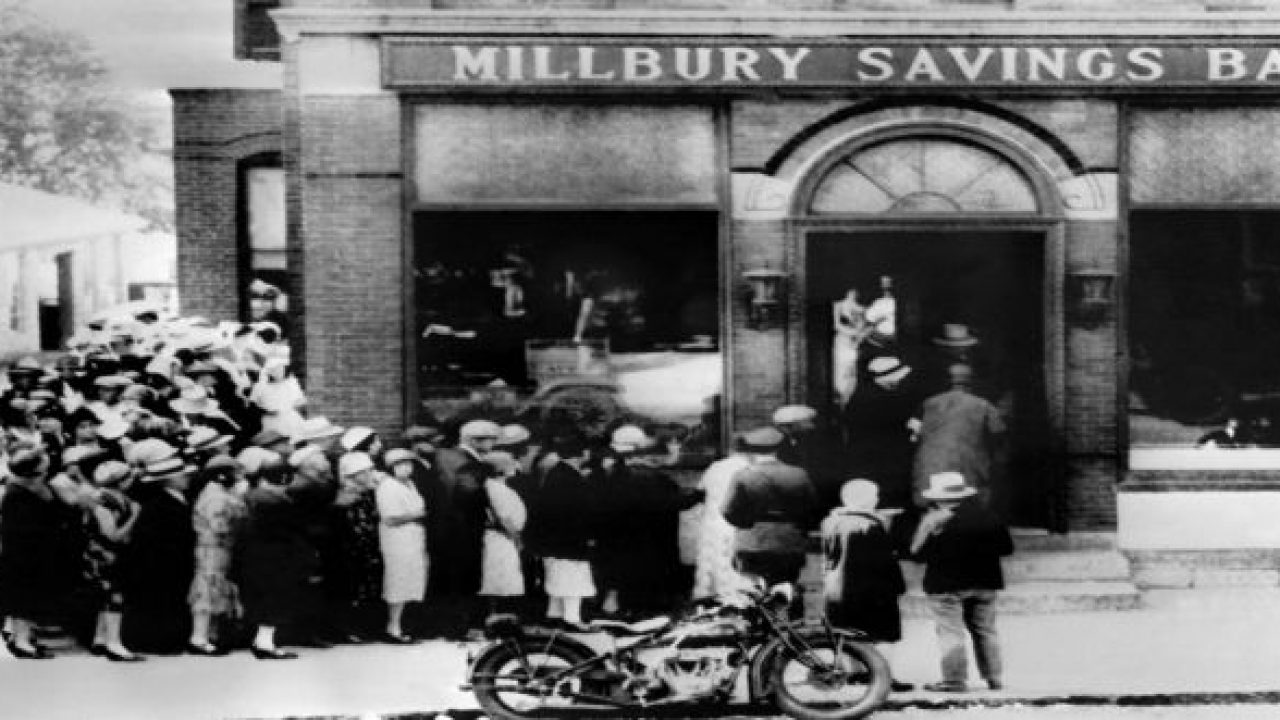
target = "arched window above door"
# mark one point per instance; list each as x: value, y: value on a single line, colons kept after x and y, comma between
x: 923, y: 175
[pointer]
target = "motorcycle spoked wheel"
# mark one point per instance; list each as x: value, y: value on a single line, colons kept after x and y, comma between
x: 837, y: 679
x: 500, y: 672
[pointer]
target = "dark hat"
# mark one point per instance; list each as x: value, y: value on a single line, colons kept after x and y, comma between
x: 763, y: 439
x: 26, y: 366
x: 955, y: 335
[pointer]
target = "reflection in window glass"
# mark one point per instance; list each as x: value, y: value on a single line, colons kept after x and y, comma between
x: 586, y: 319
x: 1205, y: 333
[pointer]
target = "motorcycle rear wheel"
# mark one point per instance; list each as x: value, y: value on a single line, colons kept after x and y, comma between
x: 838, y: 678
x: 502, y: 670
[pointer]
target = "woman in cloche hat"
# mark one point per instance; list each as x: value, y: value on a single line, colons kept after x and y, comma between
x: 218, y: 520
x: 28, y: 536
x: 111, y: 528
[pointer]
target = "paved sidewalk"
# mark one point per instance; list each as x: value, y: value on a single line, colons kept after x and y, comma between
x: 1182, y: 646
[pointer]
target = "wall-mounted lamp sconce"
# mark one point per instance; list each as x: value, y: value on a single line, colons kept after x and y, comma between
x: 765, y: 306
x: 1091, y: 298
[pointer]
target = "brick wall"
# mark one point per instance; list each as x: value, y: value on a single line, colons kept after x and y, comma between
x: 214, y: 131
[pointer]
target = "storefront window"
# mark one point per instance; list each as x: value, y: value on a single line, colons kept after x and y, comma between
x: 1205, y: 334
x: 582, y: 318
x: 264, y: 207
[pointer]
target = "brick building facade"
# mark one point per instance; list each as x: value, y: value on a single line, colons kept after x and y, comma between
x: 399, y: 118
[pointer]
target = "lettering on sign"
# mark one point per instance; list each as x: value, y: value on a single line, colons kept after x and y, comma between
x: 520, y: 62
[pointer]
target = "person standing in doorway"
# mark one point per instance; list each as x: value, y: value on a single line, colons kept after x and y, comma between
x: 961, y: 543
x: 961, y: 432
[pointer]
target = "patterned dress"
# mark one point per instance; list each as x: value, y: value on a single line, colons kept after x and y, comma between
x: 218, y: 519
x: 357, y: 531
x: 103, y: 557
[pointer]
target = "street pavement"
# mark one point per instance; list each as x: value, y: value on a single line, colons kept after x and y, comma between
x: 1185, y: 647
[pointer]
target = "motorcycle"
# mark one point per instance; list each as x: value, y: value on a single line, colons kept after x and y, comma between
x: 808, y: 670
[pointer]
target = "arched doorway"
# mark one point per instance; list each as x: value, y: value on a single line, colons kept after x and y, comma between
x: 952, y: 230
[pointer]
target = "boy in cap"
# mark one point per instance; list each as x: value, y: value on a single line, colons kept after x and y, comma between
x: 961, y: 543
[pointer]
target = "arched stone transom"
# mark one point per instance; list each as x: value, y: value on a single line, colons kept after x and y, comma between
x: 923, y: 175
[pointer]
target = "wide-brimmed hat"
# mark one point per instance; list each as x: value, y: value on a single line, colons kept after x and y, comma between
x: 79, y: 453
x: 26, y: 366
x: 252, y: 459
x: 354, y: 437
x: 354, y: 462
x: 792, y: 414
x: 398, y: 455
x: 111, y: 473
x: 888, y: 369
x: 764, y: 439
x: 948, y: 486
x: 162, y: 469
x: 205, y: 438
x: 112, y: 381
x: 150, y: 450
x: 955, y: 335
x: 315, y: 428
x: 194, y: 400
x: 480, y: 430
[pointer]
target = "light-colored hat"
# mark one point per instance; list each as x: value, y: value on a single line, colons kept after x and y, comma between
x: 763, y: 439
x: 504, y: 462
x: 206, y: 438
x: 948, y: 486
x: 888, y: 369
x: 165, y: 468
x: 791, y: 414
x: 262, y: 287
x: 150, y: 450
x: 353, y: 437
x: 301, y: 455
x: 26, y: 366
x: 111, y: 473
x: 112, y: 381
x: 112, y: 428
x: 194, y: 400
x: 315, y: 428
x: 629, y: 439
x: 354, y: 462
x: 398, y: 455
x: 955, y: 335
x: 859, y: 494
x: 480, y: 429
x: 253, y: 458
x: 79, y: 453
x: 513, y: 435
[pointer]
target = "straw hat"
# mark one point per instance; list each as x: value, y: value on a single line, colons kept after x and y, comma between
x: 793, y: 414
x: 629, y: 439
x: 480, y: 430
x: 315, y: 428
x: 948, y: 486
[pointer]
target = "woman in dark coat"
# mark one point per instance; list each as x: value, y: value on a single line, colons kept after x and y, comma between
x: 277, y: 559
x: 861, y: 576
x: 161, y: 561
x: 561, y: 525
x: 28, y: 539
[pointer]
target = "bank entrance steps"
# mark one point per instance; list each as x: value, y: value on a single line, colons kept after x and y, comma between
x: 1075, y: 572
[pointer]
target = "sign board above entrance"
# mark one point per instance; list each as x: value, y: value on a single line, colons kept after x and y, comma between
x: 718, y: 64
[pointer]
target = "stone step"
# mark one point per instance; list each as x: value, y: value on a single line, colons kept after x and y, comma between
x: 1048, y: 597
x: 1066, y: 567
x: 1035, y: 540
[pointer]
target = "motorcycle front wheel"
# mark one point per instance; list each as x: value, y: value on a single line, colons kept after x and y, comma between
x: 506, y: 678
x: 834, y: 678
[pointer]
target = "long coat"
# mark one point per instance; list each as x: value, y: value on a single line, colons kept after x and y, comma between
x: 880, y: 446
x: 861, y: 576
x: 639, y: 550
x: 960, y: 432
x: 563, y: 520
x: 28, y: 557
x: 455, y: 526
x: 161, y: 564
x: 278, y: 560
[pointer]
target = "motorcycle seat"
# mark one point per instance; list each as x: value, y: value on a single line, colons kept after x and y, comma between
x: 643, y: 627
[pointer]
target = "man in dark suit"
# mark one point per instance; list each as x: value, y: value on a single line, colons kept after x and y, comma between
x: 455, y: 529
x: 161, y: 561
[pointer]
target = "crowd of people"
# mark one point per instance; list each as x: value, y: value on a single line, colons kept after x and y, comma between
x: 166, y: 490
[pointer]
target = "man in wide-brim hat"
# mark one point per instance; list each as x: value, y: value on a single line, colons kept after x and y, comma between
x: 961, y: 543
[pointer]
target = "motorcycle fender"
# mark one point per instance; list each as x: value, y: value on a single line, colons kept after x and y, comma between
x: 761, y: 670
x: 530, y: 639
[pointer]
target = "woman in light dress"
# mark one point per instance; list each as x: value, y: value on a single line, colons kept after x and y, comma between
x: 501, y: 576
x: 280, y: 396
x: 714, y: 574
x: 219, y: 519
x: 402, y: 537
x: 849, y: 323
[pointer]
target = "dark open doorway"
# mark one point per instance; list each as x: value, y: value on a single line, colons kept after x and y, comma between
x: 990, y: 282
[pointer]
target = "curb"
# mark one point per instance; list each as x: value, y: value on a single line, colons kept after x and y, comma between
x: 1264, y: 697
